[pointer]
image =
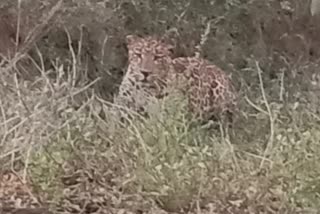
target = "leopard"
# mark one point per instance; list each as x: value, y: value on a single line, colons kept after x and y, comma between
x: 153, y: 68
x: 148, y: 68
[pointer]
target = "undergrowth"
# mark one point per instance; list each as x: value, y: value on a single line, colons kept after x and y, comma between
x: 83, y: 160
x: 170, y: 163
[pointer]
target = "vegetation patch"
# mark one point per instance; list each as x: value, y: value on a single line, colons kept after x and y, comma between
x: 57, y: 128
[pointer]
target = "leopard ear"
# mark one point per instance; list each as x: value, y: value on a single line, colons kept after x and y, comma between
x: 171, y: 36
x: 170, y: 45
x: 171, y: 42
x: 130, y: 39
x: 180, y: 64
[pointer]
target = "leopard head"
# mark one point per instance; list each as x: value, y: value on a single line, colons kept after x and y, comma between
x: 149, y: 53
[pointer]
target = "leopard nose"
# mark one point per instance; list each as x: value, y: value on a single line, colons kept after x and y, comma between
x: 145, y: 74
x: 147, y: 63
x: 147, y: 67
x: 146, y: 71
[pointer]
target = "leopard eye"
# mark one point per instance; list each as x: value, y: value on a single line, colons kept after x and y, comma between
x: 156, y: 57
x: 170, y: 50
x: 137, y: 53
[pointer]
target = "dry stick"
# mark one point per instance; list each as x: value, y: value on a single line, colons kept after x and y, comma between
x: 11, y: 119
x: 80, y: 43
x: 20, y: 97
x: 200, y: 190
x: 271, y: 137
x: 205, y: 35
x: 26, y: 164
x: 18, y: 26
x: 255, y: 106
x: 281, y: 95
x: 4, y: 123
x: 256, y: 156
x: 74, y: 59
x: 104, y: 43
x: 203, y: 40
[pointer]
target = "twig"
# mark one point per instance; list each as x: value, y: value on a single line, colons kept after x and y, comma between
x: 271, y: 137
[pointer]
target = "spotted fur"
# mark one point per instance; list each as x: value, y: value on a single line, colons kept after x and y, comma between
x: 209, y: 89
x: 152, y: 70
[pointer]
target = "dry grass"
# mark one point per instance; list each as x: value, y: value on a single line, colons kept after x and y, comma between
x: 82, y: 161
x: 164, y: 163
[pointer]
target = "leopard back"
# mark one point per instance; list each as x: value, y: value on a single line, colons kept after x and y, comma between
x: 209, y: 89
